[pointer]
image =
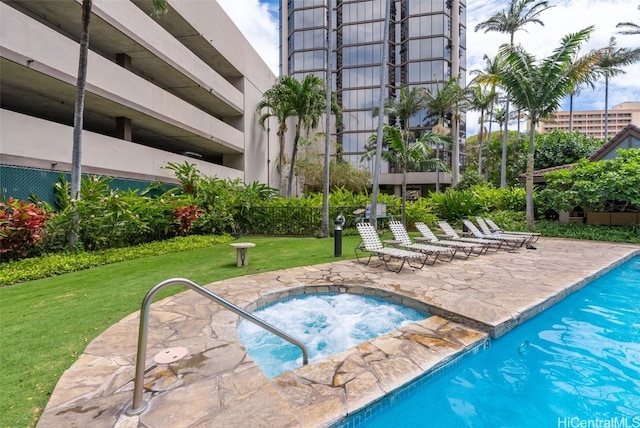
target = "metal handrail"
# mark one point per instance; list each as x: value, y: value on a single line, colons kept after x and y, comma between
x: 138, y: 405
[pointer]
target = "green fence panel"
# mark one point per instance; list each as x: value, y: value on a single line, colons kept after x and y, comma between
x: 21, y: 183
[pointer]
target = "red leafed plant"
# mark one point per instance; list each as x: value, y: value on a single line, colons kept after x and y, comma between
x: 21, y: 226
x: 185, y: 216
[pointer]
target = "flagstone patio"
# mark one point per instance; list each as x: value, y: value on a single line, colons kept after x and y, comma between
x: 218, y: 384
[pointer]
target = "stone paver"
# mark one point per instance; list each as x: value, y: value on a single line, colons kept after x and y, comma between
x: 218, y: 384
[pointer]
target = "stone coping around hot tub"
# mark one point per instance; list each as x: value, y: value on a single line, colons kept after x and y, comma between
x: 371, y: 410
x: 323, y: 393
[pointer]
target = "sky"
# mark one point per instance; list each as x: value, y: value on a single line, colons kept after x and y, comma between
x: 258, y: 21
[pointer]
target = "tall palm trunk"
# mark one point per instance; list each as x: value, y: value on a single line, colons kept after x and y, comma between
x: 505, y: 136
x: 404, y: 174
x: 455, y: 72
x: 530, y: 215
x: 294, y: 152
x: 78, y: 117
x: 606, y: 108
x: 570, y: 111
x: 327, y: 142
x: 373, y: 214
x: 480, y: 141
x: 282, y: 130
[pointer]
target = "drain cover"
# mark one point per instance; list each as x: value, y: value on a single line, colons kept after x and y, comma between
x: 170, y: 355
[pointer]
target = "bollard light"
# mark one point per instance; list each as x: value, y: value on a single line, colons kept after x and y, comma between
x: 337, y: 235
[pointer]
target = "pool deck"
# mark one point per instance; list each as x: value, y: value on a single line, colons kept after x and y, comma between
x: 218, y: 384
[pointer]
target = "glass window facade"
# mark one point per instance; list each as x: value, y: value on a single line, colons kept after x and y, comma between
x: 420, y: 55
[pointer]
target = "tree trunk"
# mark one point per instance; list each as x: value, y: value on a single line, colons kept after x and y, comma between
x: 480, y: 141
x: 282, y: 129
x: 505, y: 136
x: 531, y: 221
x: 570, y: 111
x: 455, y: 72
x: 373, y: 214
x: 294, y: 151
x: 327, y: 142
x: 78, y: 116
x: 404, y: 195
x: 606, y: 108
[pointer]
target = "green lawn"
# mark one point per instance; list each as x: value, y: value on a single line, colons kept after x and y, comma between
x: 46, y: 324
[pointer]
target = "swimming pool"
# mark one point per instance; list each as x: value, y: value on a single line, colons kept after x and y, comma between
x: 326, y: 323
x: 575, y: 365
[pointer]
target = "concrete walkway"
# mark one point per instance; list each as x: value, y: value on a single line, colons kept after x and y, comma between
x: 218, y: 384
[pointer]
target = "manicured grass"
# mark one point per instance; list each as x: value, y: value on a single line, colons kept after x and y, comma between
x: 46, y: 324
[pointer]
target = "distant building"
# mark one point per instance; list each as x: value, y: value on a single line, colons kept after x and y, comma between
x: 591, y: 122
x: 180, y: 87
x: 419, y: 56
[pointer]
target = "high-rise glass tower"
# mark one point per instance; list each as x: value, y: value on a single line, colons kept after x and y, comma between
x: 420, y: 47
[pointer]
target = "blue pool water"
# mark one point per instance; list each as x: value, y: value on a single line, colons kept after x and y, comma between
x: 575, y: 365
x: 325, y: 323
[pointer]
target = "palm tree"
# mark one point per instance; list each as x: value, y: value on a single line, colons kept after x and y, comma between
x: 538, y: 89
x: 488, y: 76
x: 481, y: 100
x: 610, y: 59
x: 275, y: 104
x: 447, y: 101
x: 160, y: 7
x: 586, y: 73
x: 407, y: 104
x: 630, y: 27
x: 405, y: 154
x: 306, y: 102
x: 519, y: 13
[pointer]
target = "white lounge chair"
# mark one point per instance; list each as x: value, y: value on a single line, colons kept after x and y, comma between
x: 484, y: 228
x: 492, y: 228
x: 512, y: 242
x: 453, y: 235
x: 371, y: 243
x: 467, y: 248
x: 400, y: 234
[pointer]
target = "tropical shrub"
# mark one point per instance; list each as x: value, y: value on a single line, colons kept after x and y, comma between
x: 310, y: 170
x: 21, y: 227
x: 109, y: 218
x: 453, y: 205
x: 420, y: 210
x: 492, y: 160
x: 605, y: 185
x: 491, y: 198
x: 560, y: 148
x: 186, y: 216
x: 470, y: 178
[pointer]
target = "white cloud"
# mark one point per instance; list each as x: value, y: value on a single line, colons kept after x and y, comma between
x: 257, y: 19
x: 567, y: 16
x: 259, y: 26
